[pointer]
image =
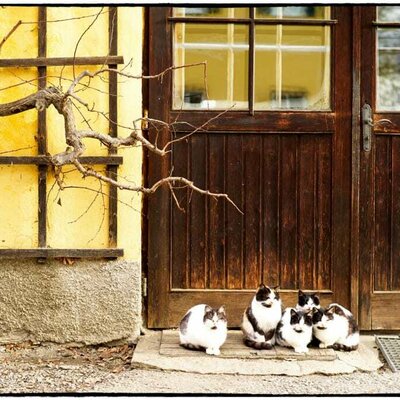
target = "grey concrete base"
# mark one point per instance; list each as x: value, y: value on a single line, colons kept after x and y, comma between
x: 147, y: 355
x: 88, y: 302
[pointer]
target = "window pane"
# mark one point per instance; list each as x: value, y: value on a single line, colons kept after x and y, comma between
x: 388, y: 60
x: 211, y: 12
x: 303, y: 12
x: 265, y: 68
x: 225, y: 49
x: 388, y: 14
x: 292, y: 68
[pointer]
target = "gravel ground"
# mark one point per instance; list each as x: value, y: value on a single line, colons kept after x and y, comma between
x: 61, y: 369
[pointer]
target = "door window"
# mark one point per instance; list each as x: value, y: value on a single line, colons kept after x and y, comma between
x: 388, y: 59
x: 267, y: 58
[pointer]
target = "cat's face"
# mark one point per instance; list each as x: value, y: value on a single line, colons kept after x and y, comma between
x: 300, y: 321
x: 308, y: 301
x: 322, y: 318
x: 214, y: 318
x: 266, y: 296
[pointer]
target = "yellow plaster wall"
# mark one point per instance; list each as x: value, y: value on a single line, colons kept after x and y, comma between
x: 77, y: 217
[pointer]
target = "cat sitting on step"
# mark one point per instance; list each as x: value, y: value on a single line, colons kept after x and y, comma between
x: 204, y: 328
x: 336, y: 327
x: 295, y: 330
x: 261, y: 318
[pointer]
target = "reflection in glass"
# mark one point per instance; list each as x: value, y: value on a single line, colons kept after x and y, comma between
x: 292, y: 68
x: 211, y: 12
x: 388, y: 60
x: 225, y: 48
x: 388, y: 14
x: 303, y: 12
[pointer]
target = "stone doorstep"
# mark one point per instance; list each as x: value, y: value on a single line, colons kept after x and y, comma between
x: 234, y: 348
x: 161, y: 350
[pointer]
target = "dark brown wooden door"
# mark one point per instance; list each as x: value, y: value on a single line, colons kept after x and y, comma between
x: 289, y: 170
x: 380, y: 170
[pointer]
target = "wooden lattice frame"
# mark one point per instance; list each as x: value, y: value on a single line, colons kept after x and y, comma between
x: 42, y: 162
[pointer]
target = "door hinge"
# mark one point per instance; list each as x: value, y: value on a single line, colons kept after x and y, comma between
x: 145, y: 120
x: 144, y: 286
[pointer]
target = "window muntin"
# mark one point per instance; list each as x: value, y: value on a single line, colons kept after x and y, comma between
x: 280, y: 49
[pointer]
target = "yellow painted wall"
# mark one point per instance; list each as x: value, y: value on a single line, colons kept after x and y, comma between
x: 77, y: 218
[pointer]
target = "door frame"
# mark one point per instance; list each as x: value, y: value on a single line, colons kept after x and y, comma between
x: 159, y: 201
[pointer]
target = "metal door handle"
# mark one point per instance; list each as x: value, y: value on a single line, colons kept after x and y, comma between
x: 367, y: 126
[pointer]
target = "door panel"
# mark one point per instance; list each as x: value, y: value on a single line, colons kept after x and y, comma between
x: 284, y: 184
x: 380, y: 172
x: 288, y: 171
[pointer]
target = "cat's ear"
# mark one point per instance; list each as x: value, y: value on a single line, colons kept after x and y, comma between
x: 261, y: 286
x: 301, y: 293
x: 314, y: 310
x: 330, y: 310
x: 276, y: 288
x: 221, y: 310
x: 208, y: 309
x: 338, y: 310
x: 311, y: 312
x: 293, y: 312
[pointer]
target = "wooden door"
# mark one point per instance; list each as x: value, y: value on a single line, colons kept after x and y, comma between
x: 284, y: 159
x: 380, y: 169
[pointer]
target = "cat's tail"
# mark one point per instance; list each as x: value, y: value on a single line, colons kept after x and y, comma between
x: 257, y: 345
x: 343, y: 347
x: 190, y: 346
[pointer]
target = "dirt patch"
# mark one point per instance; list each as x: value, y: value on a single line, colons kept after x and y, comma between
x: 114, y: 359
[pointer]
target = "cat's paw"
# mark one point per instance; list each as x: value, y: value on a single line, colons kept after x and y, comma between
x: 322, y: 345
x: 301, y: 350
x: 217, y: 352
x: 210, y: 351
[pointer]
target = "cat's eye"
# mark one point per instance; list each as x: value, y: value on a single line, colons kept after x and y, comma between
x: 260, y: 58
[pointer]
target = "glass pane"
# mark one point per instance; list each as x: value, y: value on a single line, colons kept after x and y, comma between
x: 292, y: 68
x: 388, y: 14
x: 211, y: 12
x: 303, y: 12
x: 388, y: 60
x: 265, y: 68
x: 225, y: 49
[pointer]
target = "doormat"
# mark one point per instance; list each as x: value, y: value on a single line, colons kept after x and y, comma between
x: 234, y: 348
x: 390, y: 348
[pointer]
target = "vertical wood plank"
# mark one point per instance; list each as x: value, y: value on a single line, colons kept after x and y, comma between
x: 112, y: 170
x: 216, y: 174
x: 159, y: 204
x: 42, y: 132
x: 252, y: 210
x: 395, y: 244
x: 324, y: 206
x: 288, y: 212
x: 270, y: 187
x: 341, y: 154
x: 306, y: 212
x: 179, y: 237
x: 198, y: 238
x: 382, y: 213
x: 234, y: 222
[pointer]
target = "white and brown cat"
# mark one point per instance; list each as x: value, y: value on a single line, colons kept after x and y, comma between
x: 204, y: 328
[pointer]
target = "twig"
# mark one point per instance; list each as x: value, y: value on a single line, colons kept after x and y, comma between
x: 14, y: 28
x: 81, y: 37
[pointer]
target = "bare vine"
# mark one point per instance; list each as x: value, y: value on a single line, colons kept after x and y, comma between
x: 66, y: 103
